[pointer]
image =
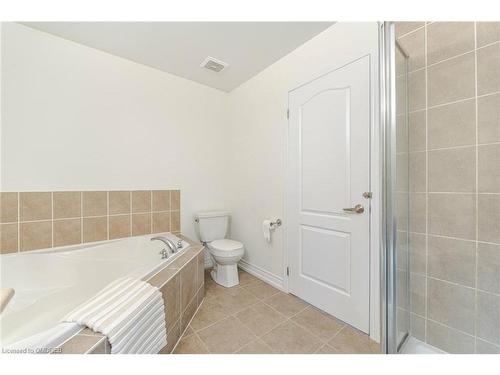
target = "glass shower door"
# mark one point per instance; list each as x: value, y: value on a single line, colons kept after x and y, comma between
x: 394, y: 108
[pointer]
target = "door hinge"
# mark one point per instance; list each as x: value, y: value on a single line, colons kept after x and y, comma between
x: 288, y: 113
x: 288, y: 271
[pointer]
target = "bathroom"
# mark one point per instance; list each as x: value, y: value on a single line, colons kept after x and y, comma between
x: 185, y: 170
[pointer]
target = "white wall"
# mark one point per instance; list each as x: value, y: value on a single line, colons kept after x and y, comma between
x: 258, y: 122
x: 75, y: 118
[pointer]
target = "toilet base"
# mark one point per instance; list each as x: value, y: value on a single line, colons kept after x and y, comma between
x: 225, y: 275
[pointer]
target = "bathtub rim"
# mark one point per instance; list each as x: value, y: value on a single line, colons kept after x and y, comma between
x: 66, y: 331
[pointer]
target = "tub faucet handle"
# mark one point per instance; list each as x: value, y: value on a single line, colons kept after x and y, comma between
x: 179, y: 244
x: 164, y: 254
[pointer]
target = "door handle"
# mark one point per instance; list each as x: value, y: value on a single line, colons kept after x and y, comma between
x: 359, y: 209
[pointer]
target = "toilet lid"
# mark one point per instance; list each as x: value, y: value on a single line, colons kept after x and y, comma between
x: 226, y: 245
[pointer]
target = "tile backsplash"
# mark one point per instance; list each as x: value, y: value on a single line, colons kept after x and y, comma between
x: 39, y: 220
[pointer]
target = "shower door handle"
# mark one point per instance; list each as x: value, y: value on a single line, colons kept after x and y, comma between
x: 358, y: 209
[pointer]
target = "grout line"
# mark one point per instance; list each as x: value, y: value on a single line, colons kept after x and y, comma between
x: 52, y: 218
x: 477, y: 189
x: 426, y: 180
x: 411, y: 32
x: 454, y: 102
x: 18, y: 222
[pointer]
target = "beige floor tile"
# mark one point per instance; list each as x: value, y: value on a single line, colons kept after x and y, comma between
x: 352, y: 341
x: 260, y: 318
x: 260, y: 289
x: 189, y: 331
x: 246, y: 278
x: 319, y: 323
x: 286, y: 304
x: 226, y: 336
x: 190, y: 345
x: 210, y: 312
x: 288, y: 337
x: 327, y: 349
x: 256, y: 347
x: 233, y: 300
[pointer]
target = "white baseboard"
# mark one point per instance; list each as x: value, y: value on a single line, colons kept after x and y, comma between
x: 262, y: 274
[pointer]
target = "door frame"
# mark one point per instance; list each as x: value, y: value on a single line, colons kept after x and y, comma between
x: 375, y: 187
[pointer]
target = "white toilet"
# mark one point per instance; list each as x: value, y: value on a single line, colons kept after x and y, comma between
x: 212, y: 228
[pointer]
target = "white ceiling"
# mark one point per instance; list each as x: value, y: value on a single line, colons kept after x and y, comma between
x: 180, y: 47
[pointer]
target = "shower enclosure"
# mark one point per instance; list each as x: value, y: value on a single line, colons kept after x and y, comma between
x: 440, y: 100
x: 394, y: 101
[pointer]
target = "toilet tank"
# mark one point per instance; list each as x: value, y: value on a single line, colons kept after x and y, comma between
x: 212, y: 225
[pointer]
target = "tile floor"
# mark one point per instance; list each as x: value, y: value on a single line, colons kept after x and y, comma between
x: 255, y: 318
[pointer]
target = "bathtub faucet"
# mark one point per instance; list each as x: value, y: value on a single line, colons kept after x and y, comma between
x: 170, y: 244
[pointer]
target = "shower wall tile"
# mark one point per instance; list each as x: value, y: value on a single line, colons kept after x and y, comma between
x: 489, y: 217
x: 489, y: 168
x: 488, y: 317
x: 452, y: 170
x: 418, y: 253
x: 458, y: 128
x: 413, y: 45
x: 442, y: 295
x: 417, y: 171
x: 487, y: 33
x: 452, y: 215
x: 417, y: 131
x: 418, y: 294
x: 452, y: 260
x: 484, y: 347
x: 488, y: 61
x: 418, y: 212
x: 452, y: 125
x: 488, y: 118
x: 448, y: 39
x: 417, y: 327
x: 488, y: 267
x: 451, y: 80
x: 448, y: 339
x: 403, y: 28
x: 416, y: 91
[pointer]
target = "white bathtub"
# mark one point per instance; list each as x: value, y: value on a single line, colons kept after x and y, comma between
x: 48, y: 284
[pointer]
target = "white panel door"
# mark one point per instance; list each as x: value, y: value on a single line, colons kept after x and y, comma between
x: 328, y: 170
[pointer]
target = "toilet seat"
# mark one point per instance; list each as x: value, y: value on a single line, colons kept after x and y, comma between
x: 225, y: 247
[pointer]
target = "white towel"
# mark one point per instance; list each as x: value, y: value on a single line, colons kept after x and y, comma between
x: 131, y: 313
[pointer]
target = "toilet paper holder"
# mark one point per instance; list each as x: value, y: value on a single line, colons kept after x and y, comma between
x: 276, y: 223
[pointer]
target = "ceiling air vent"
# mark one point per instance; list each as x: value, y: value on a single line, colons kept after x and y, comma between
x: 214, y: 65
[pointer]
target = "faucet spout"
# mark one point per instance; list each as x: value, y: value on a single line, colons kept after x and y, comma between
x: 167, y: 241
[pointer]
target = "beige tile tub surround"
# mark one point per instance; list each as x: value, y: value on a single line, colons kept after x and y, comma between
x: 40, y: 220
x: 454, y: 138
x: 170, y: 281
x: 255, y: 318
